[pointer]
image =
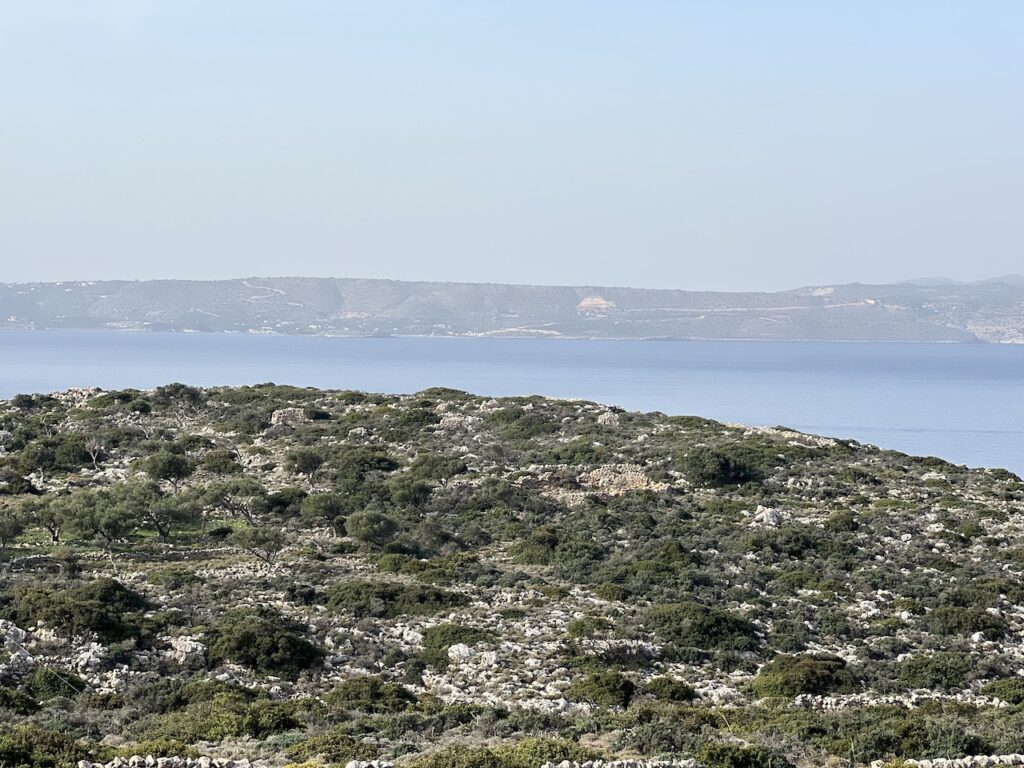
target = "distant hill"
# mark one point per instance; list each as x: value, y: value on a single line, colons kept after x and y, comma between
x: 939, y: 280
x: 991, y: 310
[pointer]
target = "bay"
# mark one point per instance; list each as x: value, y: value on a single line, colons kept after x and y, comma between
x: 962, y: 402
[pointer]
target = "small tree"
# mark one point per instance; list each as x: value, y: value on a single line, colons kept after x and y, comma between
x: 12, y: 525
x: 243, y: 497
x: 154, y: 509
x: 261, y: 542
x: 181, y: 400
x: 47, y: 513
x: 168, y: 466
x: 436, y: 467
x: 69, y: 452
x: 305, y: 461
x: 96, y: 450
x: 96, y: 515
x: 371, y: 527
x: 331, y: 508
x: 37, y: 457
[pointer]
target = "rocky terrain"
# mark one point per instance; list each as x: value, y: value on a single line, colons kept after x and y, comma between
x: 991, y: 311
x: 270, y: 575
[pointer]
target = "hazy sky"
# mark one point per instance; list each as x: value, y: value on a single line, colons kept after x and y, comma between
x: 709, y: 144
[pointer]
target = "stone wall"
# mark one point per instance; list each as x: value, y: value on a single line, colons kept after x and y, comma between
x: 974, y: 761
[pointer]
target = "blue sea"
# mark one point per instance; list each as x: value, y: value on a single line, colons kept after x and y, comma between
x: 963, y: 402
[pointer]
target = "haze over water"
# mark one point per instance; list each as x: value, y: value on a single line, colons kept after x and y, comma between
x: 960, y: 402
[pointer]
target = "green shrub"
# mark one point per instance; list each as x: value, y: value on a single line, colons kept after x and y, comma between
x: 17, y: 702
x: 226, y: 714
x: 104, y: 606
x: 388, y: 600
x: 196, y: 443
x: 696, y: 625
x: 587, y: 626
x: 807, y: 673
x: 438, y: 639
x: 842, y: 521
x: 369, y: 694
x: 670, y: 689
x: 221, y: 462
x: 605, y: 689
x: 1010, y: 690
x: 534, y: 752
x: 33, y: 747
x: 334, y: 747
x: 711, y: 468
x: 613, y: 593
x: 737, y: 756
x: 371, y: 527
x: 173, y: 578
x: 461, y: 757
x: 955, y: 620
x: 945, y: 670
x: 517, y: 423
x: 528, y: 753
x: 48, y: 683
x: 305, y: 461
x: 264, y: 640
x: 286, y: 503
x: 159, y: 748
x: 553, y: 545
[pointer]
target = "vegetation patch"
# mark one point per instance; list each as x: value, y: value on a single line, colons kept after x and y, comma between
x: 388, y: 600
x: 264, y: 640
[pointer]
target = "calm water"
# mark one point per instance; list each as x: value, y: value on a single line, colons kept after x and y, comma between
x: 962, y: 402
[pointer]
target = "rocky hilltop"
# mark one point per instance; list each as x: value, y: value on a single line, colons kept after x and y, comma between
x: 990, y: 311
x: 271, y: 575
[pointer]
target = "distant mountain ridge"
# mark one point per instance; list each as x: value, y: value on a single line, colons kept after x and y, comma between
x: 940, y: 280
x: 990, y: 311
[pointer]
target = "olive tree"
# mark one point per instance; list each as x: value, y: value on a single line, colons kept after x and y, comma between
x: 47, y: 513
x: 12, y: 525
x: 170, y: 467
x: 97, y: 515
x: 156, y: 510
x: 242, y: 497
x: 262, y: 542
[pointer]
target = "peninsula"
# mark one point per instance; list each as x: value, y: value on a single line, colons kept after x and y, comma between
x: 988, y: 311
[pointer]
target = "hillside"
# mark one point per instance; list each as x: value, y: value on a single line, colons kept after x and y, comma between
x: 988, y: 311
x: 285, y: 575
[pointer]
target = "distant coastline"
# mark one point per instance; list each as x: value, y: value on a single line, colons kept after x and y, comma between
x: 510, y: 337
x: 989, y: 311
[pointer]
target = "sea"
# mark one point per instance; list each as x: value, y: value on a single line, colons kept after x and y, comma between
x: 961, y: 402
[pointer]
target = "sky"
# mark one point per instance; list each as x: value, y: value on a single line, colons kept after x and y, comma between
x: 690, y: 144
